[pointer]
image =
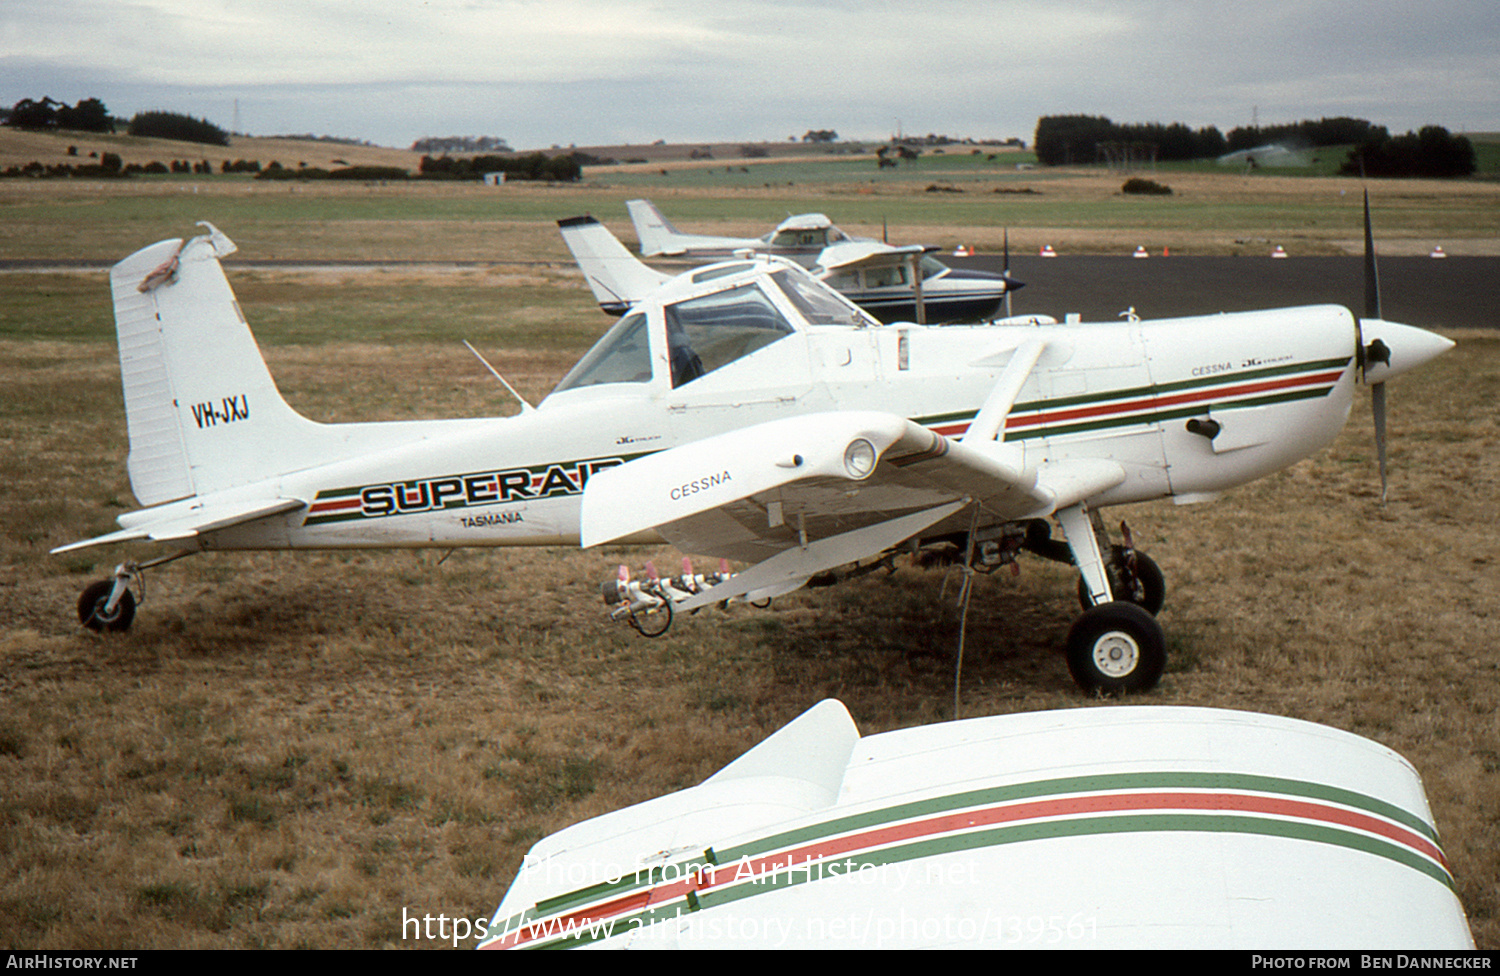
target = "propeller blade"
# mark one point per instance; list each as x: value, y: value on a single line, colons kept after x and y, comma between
x: 1372, y: 275
x: 1377, y: 351
x: 1007, y: 273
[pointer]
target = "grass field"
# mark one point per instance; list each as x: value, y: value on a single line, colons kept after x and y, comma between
x: 291, y: 750
x: 954, y: 198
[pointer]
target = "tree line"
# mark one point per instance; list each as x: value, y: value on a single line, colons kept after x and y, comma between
x: 566, y: 168
x: 91, y: 115
x: 1064, y: 140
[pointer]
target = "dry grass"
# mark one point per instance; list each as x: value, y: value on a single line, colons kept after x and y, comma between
x: 293, y: 749
x: 19, y: 147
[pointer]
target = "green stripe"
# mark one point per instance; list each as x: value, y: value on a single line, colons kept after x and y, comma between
x: 999, y: 836
x: 1078, y: 784
x: 1140, y: 392
x: 1218, y: 379
x: 1174, y: 413
x: 1088, y: 826
x: 990, y: 797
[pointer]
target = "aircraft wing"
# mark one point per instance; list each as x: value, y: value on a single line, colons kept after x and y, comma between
x: 802, y: 495
x: 1126, y: 827
x: 849, y: 255
x: 185, y: 520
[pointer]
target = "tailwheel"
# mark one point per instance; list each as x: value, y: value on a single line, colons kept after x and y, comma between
x: 95, y: 613
x: 1133, y: 576
x: 1116, y: 647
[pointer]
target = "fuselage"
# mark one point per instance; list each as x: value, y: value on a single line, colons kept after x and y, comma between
x: 1274, y: 387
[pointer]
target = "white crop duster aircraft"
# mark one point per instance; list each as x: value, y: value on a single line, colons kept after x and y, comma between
x: 746, y: 411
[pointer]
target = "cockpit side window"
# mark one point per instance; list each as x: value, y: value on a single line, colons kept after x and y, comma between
x: 711, y: 331
x: 622, y: 356
x: 890, y: 276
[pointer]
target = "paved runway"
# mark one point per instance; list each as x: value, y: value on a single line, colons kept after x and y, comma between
x: 1452, y: 293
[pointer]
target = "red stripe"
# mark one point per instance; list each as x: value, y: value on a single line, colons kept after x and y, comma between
x: 1197, y: 396
x: 802, y: 858
x: 1108, y: 803
x: 334, y: 505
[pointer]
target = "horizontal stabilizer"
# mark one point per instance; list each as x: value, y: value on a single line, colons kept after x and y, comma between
x: 189, y: 519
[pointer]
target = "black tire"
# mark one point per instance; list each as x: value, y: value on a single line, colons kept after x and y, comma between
x: 1149, y: 590
x: 1116, y: 647
x: 91, y: 608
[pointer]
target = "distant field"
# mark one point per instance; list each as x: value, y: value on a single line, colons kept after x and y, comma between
x: 955, y: 197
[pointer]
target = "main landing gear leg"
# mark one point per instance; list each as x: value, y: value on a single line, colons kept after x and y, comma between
x: 1116, y: 645
x: 109, y: 604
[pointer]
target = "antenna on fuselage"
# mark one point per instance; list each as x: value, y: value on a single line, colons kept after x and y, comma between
x: 525, y: 407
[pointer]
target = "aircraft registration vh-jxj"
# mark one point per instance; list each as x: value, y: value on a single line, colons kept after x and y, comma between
x: 745, y: 411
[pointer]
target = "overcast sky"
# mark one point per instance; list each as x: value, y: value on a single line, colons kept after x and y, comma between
x: 589, y: 72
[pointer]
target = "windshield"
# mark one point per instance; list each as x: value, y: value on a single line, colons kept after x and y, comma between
x: 622, y: 356
x: 801, y: 238
x: 815, y: 301
x: 711, y: 331
x: 932, y: 267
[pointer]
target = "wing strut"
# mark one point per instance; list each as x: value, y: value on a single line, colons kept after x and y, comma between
x: 1078, y: 528
x: 990, y: 421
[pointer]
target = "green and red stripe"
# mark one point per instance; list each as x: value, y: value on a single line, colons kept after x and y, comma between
x: 1156, y: 403
x: 1079, y: 806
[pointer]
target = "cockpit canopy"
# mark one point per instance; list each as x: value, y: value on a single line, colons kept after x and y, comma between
x: 805, y: 231
x: 706, y: 319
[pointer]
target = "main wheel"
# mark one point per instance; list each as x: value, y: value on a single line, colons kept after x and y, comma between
x: 1148, y: 590
x: 1116, y: 647
x: 91, y: 607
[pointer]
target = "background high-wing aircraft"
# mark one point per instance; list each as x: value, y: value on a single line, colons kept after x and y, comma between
x: 1098, y: 828
x: 801, y: 237
x: 746, y: 411
x: 894, y: 284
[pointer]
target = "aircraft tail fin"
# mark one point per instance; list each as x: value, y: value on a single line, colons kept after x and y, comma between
x: 656, y: 233
x: 201, y: 409
x: 616, y: 277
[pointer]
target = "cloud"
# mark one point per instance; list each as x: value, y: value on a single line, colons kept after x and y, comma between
x: 567, y: 71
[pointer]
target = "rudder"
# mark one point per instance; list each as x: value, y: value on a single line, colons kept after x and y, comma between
x: 654, y: 231
x: 201, y: 408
